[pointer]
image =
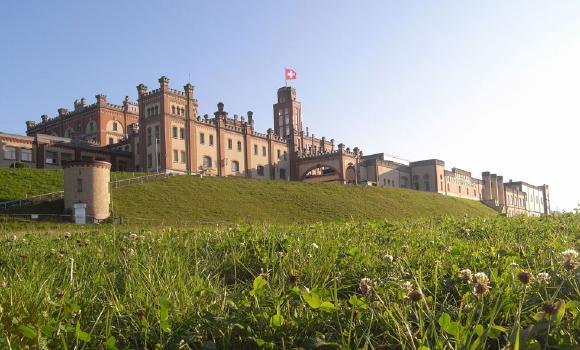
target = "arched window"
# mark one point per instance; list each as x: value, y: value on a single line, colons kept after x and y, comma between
x: 235, y: 166
x: 91, y: 126
x: 260, y: 170
x: 206, y: 163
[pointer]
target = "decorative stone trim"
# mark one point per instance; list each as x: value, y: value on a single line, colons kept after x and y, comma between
x: 87, y: 164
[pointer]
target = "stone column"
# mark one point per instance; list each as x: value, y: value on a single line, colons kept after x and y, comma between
x: 500, y: 190
x: 486, y: 179
x: 494, y: 187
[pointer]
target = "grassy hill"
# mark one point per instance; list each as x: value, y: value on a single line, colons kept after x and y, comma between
x: 23, y: 183
x: 187, y: 200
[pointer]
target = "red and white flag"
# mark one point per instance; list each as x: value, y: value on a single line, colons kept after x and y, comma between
x: 290, y: 74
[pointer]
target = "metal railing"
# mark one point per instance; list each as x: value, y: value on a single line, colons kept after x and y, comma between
x: 138, y: 180
x: 53, y: 196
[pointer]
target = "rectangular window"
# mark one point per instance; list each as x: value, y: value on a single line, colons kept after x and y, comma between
x: 211, y: 140
x: 9, y: 153
x: 202, y: 138
x: 26, y: 155
x: 79, y: 185
x: 51, y: 157
x: 157, y: 135
x: 174, y: 132
x: 182, y: 133
x: 279, y: 154
x: 239, y: 146
x: 264, y: 151
x: 183, y: 156
x: 256, y: 149
x: 283, y: 174
x: 149, y: 137
x: 149, y: 161
x: 66, y: 157
x: 175, y: 156
x: 114, y: 126
x: 111, y: 141
x: 230, y: 144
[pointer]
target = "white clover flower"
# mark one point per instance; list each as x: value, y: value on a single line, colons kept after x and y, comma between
x: 514, y: 265
x: 366, y: 285
x: 543, y: 279
x: 388, y: 258
x: 569, y: 261
x: 14, y: 238
x: 465, y: 275
x: 315, y: 246
x: 133, y: 236
x: 481, y: 283
x: 569, y: 254
x: 481, y: 277
x: 407, y: 286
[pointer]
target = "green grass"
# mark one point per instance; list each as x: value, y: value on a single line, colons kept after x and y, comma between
x: 375, y: 285
x: 187, y: 200
x: 23, y: 183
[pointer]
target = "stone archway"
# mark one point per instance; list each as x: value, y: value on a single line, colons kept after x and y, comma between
x: 320, y: 173
x: 350, y: 174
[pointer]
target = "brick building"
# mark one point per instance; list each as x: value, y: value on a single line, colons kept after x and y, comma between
x: 163, y: 132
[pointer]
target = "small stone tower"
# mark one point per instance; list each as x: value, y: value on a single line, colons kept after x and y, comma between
x: 287, y: 112
x: 87, y: 182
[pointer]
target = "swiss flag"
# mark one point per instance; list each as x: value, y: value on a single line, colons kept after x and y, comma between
x: 290, y: 74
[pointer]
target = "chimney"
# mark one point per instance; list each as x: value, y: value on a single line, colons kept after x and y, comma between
x: 141, y: 89
x: 80, y: 104
x: 44, y: 118
x: 251, y: 117
x: 188, y: 88
x: 101, y: 99
x: 62, y: 112
x: 164, y: 83
x: 30, y: 124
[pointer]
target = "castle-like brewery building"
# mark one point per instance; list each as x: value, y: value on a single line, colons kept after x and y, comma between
x: 163, y: 132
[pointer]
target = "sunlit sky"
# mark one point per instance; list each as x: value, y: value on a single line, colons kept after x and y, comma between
x: 482, y: 85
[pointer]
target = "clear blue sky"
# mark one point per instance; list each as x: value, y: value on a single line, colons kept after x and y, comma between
x: 488, y: 85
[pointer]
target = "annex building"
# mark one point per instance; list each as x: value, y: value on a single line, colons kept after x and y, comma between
x: 163, y: 132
